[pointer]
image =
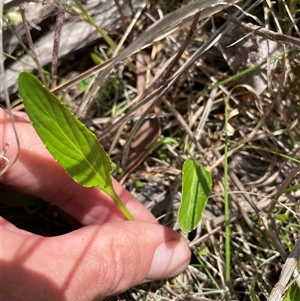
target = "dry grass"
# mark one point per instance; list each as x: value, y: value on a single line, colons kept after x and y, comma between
x: 187, y: 103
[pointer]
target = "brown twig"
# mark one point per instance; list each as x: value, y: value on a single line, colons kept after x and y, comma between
x: 31, y: 45
x: 123, y: 18
x: 266, y: 33
x: 180, y: 52
x: 57, y: 34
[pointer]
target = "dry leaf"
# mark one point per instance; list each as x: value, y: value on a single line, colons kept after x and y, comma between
x: 247, y: 52
x: 142, y: 141
x: 149, y: 129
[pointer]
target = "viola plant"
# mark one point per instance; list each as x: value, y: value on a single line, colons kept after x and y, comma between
x: 196, y: 187
x: 69, y: 141
x: 79, y: 152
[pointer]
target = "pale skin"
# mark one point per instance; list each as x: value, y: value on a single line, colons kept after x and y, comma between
x: 106, y: 256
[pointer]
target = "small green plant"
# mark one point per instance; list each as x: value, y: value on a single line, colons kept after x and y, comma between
x: 79, y: 152
x: 196, y: 186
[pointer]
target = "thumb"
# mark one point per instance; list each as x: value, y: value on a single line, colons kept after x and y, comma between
x: 90, y: 263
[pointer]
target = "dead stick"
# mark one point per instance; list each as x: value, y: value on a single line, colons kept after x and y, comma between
x: 57, y: 34
x: 31, y: 46
x: 266, y: 33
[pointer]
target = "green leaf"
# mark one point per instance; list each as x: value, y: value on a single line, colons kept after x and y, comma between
x: 72, y: 145
x: 293, y: 293
x: 204, y: 250
x: 196, y: 186
x: 253, y: 294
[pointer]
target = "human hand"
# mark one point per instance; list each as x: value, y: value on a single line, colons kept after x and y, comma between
x: 106, y: 256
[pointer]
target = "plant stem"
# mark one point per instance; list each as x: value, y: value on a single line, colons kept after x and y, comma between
x: 226, y: 201
x: 121, y: 205
x: 105, y: 36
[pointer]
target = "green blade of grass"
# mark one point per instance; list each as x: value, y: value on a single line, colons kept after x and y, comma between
x: 226, y: 202
x: 105, y: 36
x: 72, y: 145
x: 292, y: 293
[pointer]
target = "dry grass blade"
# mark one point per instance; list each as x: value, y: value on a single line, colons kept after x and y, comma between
x: 57, y: 34
x: 30, y: 43
x: 143, y: 139
x: 266, y: 33
x: 284, y: 185
x: 146, y: 132
x: 207, y: 8
x: 159, y: 92
x: 158, y: 31
x: 288, y: 269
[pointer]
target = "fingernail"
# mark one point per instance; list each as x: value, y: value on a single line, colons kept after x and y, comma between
x: 170, y: 259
